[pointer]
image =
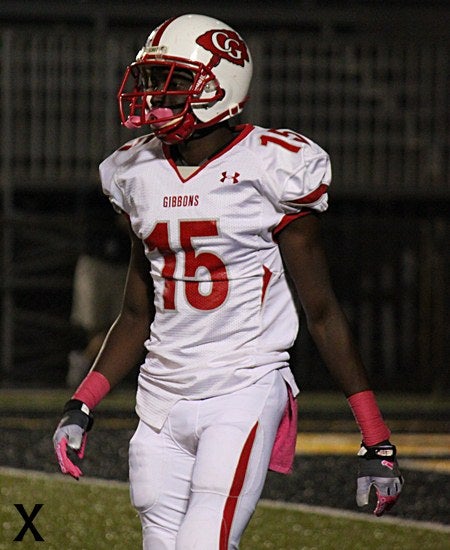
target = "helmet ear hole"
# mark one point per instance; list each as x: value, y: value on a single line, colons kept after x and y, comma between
x: 210, y: 95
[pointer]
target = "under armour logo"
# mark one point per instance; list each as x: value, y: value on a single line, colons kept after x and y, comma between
x: 28, y: 522
x: 232, y: 178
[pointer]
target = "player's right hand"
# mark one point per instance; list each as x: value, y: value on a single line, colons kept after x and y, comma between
x: 71, y: 433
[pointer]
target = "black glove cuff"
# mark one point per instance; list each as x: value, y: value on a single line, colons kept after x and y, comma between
x: 384, y: 450
x: 77, y: 405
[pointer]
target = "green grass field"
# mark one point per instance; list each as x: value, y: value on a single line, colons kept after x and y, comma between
x: 96, y: 515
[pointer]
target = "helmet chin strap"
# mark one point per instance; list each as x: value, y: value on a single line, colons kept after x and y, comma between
x: 189, y: 128
x: 172, y: 131
x: 169, y: 128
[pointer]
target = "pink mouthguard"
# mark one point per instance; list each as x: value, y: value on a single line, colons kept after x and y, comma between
x: 151, y: 117
x: 159, y: 113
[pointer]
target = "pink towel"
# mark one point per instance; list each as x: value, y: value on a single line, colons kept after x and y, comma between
x: 283, y: 451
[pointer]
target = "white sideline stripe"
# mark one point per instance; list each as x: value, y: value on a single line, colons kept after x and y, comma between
x: 265, y: 503
x: 35, y: 474
x: 357, y: 516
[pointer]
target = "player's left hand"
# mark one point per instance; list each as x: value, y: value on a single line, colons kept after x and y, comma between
x: 378, y: 467
x: 72, y: 433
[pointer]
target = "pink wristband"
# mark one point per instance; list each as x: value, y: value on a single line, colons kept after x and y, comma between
x: 92, y: 389
x: 368, y: 417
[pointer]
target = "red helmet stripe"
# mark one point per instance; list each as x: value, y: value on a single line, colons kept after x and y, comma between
x: 160, y: 30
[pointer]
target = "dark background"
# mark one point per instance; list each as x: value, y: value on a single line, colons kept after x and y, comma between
x: 366, y: 80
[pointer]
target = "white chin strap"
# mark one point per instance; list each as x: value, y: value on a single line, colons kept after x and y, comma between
x: 157, y: 118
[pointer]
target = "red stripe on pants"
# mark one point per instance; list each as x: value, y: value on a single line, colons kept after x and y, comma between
x: 236, y: 488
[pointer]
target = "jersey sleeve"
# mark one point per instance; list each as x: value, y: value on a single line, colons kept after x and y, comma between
x: 116, y: 204
x: 112, y: 169
x: 305, y: 186
x: 108, y: 176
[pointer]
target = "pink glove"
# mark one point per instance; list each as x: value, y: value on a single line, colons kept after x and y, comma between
x: 378, y: 467
x: 72, y: 432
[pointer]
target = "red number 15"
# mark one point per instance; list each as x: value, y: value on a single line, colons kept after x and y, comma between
x: 159, y: 238
x: 285, y: 138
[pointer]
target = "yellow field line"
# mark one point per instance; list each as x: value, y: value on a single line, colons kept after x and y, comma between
x: 344, y: 443
x: 424, y: 452
x: 427, y: 465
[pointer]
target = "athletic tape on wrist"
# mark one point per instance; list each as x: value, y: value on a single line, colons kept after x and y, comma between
x: 368, y: 417
x: 92, y: 389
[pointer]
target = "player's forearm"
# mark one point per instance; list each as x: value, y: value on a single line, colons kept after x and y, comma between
x: 336, y: 345
x: 123, y: 347
x: 332, y: 336
x: 121, y: 351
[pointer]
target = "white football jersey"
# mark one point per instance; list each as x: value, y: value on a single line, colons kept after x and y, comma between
x: 225, y: 315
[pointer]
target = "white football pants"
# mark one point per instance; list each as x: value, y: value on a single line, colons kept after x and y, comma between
x: 196, y: 482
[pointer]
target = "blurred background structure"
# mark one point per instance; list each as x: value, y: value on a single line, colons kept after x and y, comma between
x: 367, y: 80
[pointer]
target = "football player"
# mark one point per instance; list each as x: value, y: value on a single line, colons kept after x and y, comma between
x: 221, y: 217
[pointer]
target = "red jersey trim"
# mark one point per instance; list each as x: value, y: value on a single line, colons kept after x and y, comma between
x: 266, y: 279
x: 139, y: 141
x: 244, y: 131
x: 313, y: 196
x: 287, y: 219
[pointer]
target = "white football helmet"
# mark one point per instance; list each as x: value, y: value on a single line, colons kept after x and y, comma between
x: 219, y: 67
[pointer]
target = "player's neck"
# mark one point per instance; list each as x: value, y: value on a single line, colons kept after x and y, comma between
x: 201, y: 147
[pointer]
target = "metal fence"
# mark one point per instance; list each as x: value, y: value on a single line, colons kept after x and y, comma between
x: 380, y: 108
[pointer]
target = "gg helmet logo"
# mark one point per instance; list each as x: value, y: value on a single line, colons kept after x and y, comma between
x: 224, y: 44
